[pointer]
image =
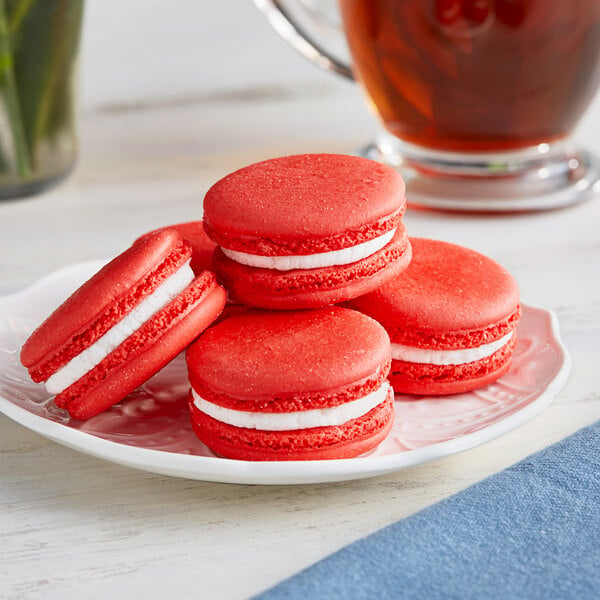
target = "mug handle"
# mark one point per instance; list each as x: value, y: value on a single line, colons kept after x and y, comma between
x: 284, y: 24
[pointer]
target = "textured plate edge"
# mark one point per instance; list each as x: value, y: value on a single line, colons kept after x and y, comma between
x: 272, y: 473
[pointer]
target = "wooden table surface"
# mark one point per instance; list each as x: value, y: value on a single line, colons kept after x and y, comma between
x: 73, y: 526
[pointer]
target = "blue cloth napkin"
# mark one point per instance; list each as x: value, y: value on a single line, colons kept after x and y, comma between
x: 529, y: 532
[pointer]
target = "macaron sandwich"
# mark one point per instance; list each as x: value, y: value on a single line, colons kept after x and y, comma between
x: 294, y: 385
x: 451, y: 316
x: 122, y: 325
x: 308, y: 230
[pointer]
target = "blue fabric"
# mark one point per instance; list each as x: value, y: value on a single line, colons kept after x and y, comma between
x: 529, y: 532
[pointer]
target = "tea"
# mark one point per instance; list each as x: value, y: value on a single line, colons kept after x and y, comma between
x: 476, y: 75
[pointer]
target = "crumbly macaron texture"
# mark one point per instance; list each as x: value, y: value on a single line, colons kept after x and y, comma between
x: 319, y: 443
x: 311, y: 288
x: 305, y: 357
x: 102, y: 301
x: 449, y: 297
x: 147, y: 350
x: 303, y: 204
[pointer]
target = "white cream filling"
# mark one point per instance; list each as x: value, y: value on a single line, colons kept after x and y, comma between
x: 344, y: 256
x: 305, y: 419
x: 87, y: 359
x: 447, y: 357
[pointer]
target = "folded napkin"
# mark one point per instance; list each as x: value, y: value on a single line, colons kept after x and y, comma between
x: 531, y: 531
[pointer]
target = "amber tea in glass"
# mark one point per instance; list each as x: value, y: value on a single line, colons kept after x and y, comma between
x: 478, y: 98
x: 476, y: 75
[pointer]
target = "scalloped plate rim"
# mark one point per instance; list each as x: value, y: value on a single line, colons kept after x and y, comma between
x: 223, y: 470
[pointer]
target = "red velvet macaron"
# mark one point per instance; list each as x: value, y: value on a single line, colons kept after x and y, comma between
x: 122, y: 325
x: 291, y: 385
x: 308, y: 230
x: 452, y: 319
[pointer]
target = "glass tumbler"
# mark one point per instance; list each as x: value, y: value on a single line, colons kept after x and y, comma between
x: 39, y: 43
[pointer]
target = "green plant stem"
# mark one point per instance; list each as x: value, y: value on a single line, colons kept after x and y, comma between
x: 9, y: 89
x: 21, y: 10
x: 68, y: 15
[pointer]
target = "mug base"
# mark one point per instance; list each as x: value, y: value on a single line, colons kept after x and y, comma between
x: 545, y: 177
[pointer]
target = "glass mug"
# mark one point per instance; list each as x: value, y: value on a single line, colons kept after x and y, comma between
x: 478, y: 97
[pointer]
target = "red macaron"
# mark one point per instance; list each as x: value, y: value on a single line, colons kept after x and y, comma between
x: 308, y: 230
x: 451, y: 316
x: 122, y: 325
x: 291, y: 385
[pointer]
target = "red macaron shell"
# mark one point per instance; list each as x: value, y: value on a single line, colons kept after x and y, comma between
x: 102, y: 301
x: 449, y: 297
x: 259, y: 358
x: 319, y: 443
x: 303, y: 204
x: 147, y: 350
x: 311, y: 288
x: 202, y: 246
x: 418, y: 378
x: 281, y: 403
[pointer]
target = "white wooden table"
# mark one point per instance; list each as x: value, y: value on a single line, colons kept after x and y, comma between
x: 74, y: 526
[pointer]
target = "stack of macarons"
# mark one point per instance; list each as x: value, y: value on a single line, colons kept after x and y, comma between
x: 320, y: 274
x: 300, y: 233
x: 300, y: 378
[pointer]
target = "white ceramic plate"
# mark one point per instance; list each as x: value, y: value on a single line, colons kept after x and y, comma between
x: 150, y: 429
